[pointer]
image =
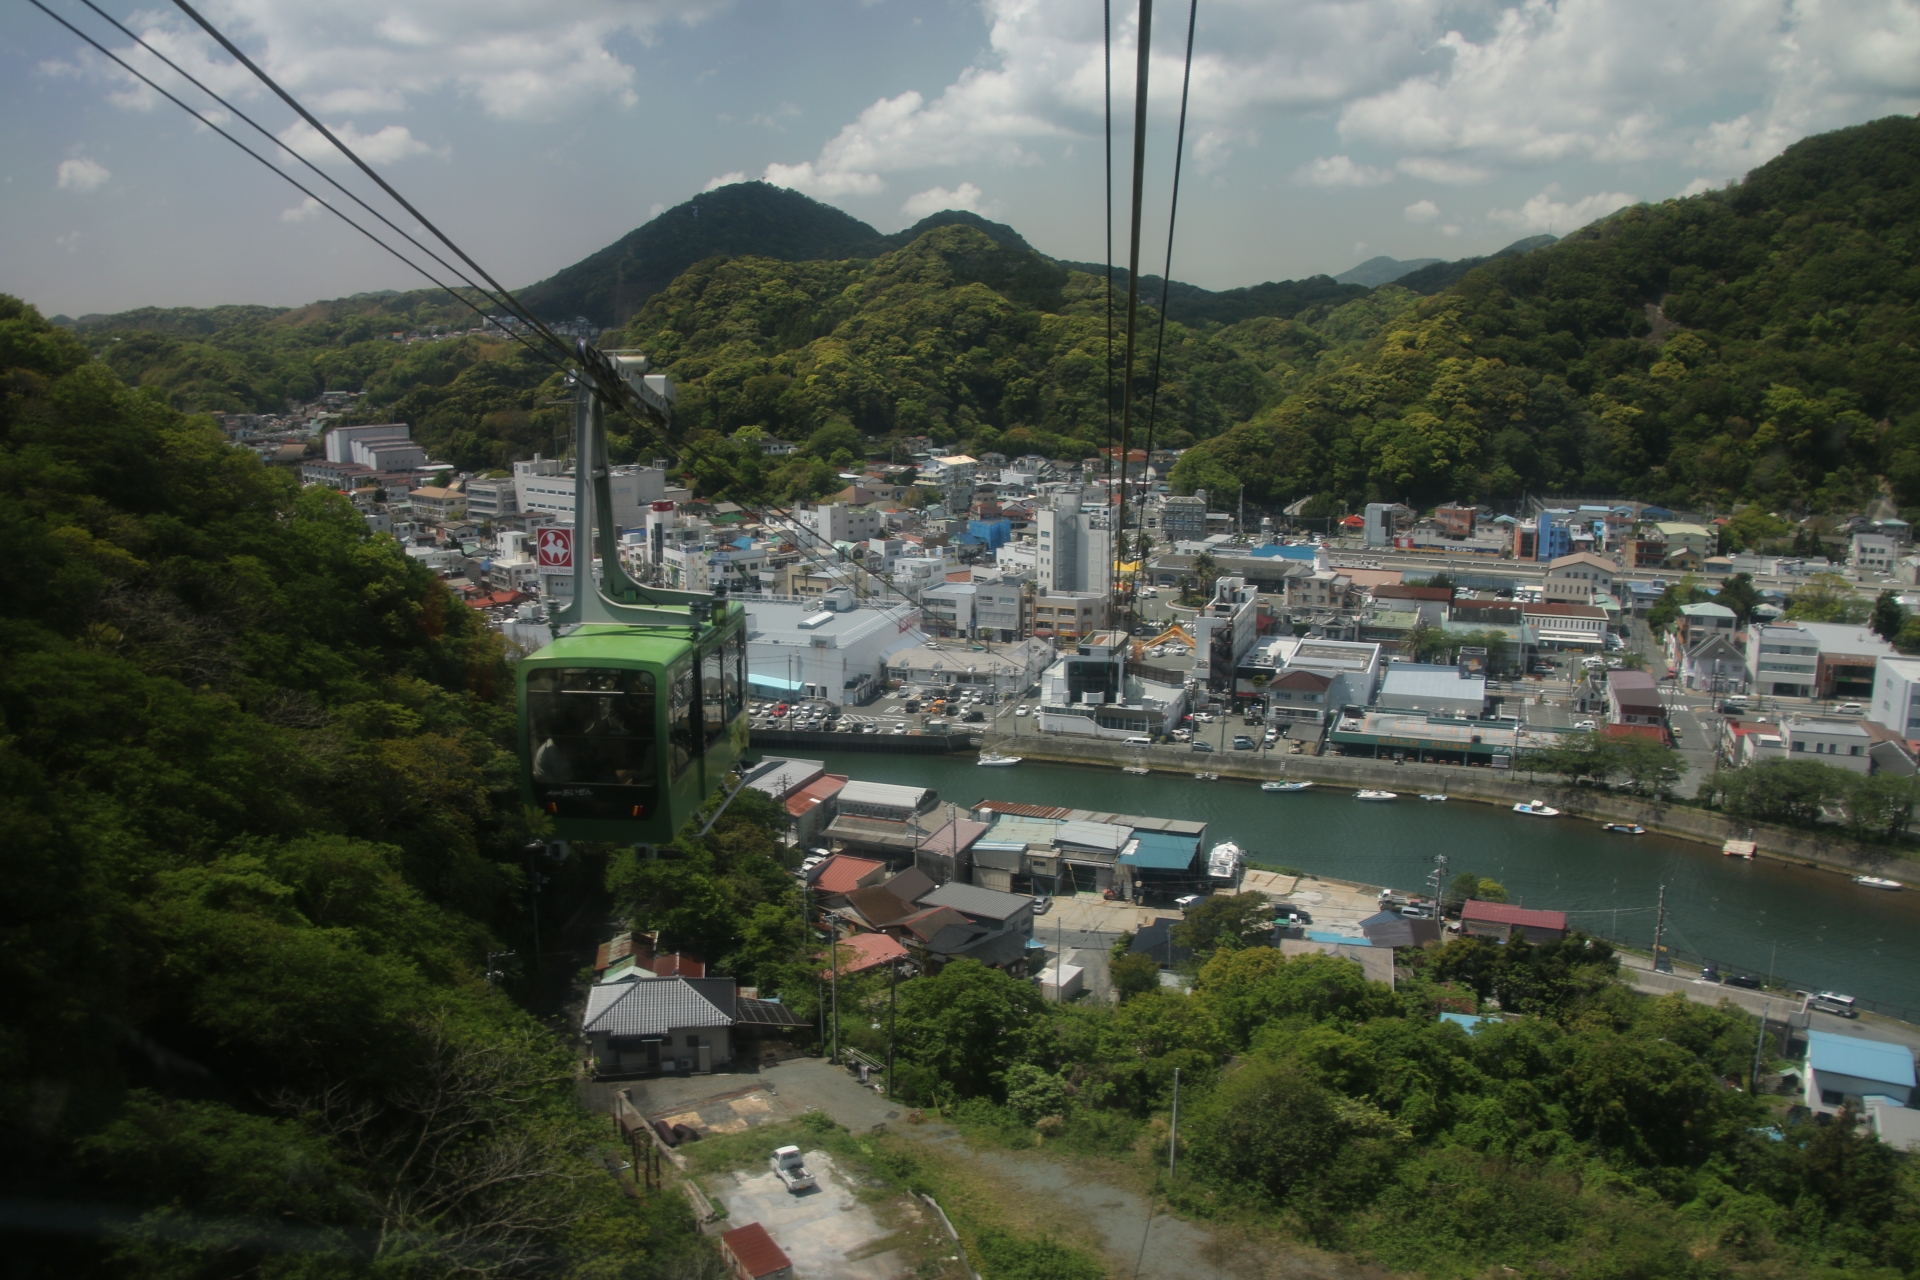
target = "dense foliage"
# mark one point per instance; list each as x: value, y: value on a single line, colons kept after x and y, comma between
x: 1585, y: 1131
x: 259, y: 832
x: 1754, y: 343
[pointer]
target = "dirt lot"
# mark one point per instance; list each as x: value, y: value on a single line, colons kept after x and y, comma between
x: 827, y: 1232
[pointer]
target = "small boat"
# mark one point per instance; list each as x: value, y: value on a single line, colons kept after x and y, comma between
x: 1206, y: 777
x: 1877, y: 882
x: 993, y: 758
x: 1137, y: 770
x: 1437, y: 797
x: 1285, y: 786
x: 1375, y: 795
x: 1624, y: 828
x: 1537, y: 809
x: 1739, y: 849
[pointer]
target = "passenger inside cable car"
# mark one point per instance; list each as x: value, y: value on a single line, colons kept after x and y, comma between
x: 594, y: 732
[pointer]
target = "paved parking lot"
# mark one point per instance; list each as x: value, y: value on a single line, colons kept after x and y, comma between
x: 824, y: 1231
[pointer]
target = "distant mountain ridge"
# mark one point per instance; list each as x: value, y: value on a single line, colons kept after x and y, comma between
x: 1375, y: 272
x: 1433, y: 278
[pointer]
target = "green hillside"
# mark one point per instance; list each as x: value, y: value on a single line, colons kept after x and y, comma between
x: 1758, y: 343
x: 1432, y: 277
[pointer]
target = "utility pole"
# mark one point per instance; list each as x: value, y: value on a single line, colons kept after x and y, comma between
x: 1759, y: 1047
x: 1659, y: 931
x: 833, y: 950
x: 893, y: 1004
x: 1173, y: 1138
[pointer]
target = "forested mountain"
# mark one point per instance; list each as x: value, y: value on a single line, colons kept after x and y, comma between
x: 1758, y: 343
x: 1432, y: 277
x: 259, y: 831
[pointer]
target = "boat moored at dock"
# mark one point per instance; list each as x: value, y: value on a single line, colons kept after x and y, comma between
x: 1285, y: 786
x: 1370, y: 794
x: 1537, y: 809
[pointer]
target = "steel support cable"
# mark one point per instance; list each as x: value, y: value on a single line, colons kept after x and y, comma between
x: 262, y: 130
x: 513, y: 303
x: 1173, y: 213
x: 291, y: 180
x: 1106, y: 27
x: 1142, y: 62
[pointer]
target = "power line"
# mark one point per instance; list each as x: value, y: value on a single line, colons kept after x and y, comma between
x: 1106, y: 20
x: 270, y: 137
x: 288, y: 178
x: 505, y: 294
x: 1142, y: 64
x: 1173, y: 213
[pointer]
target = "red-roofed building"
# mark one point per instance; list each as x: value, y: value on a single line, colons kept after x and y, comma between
x: 810, y: 808
x: 1651, y: 732
x: 841, y: 874
x: 751, y: 1254
x: 1500, y: 921
x: 863, y: 951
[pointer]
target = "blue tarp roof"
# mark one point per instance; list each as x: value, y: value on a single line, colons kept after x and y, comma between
x: 1337, y: 937
x: 1471, y: 1022
x: 1159, y: 851
x: 773, y: 682
x: 1292, y: 551
x: 1864, y: 1059
x: 743, y: 543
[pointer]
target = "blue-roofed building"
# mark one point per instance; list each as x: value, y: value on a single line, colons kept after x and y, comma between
x: 1467, y: 1022
x: 1159, y: 866
x: 1843, y: 1069
x: 1316, y: 935
x: 995, y: 534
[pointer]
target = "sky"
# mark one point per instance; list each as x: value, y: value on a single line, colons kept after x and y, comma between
x: 1319, y: 132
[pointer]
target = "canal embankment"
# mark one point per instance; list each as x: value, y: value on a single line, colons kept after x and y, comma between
x: 1829, y: 851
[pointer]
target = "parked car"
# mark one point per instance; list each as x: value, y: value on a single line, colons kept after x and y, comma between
x: 1834, y: 1003
x: 1746, y: 980
x: 1019, y: 711
x: 1850, y: 709
x: 1202, y: 745
x: 1042, y: 904
x: 1241, y: 742
x: 1188, y: 901
x: 1710, y: 973
x: 1417, y: 911
x: 1585, y: 724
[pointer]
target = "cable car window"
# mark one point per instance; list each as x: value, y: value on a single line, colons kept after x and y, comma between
x: 713, y: 703
x: 593, y: 727
x: 680, y: 714
x: 736, y: 676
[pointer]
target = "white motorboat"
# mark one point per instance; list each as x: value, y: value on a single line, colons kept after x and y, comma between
x: 1206, y: 777
x: 1877, y: 882
x: 1375, y: 795
x: 1137, y: 770
x: 1537, y: 809
x: 1285, y: 786
x: 1437, y: 797
x: 994, y: 758
x: 1625, y: 828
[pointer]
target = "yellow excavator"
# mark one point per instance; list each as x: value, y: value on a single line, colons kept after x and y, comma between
x: 1174, y: 632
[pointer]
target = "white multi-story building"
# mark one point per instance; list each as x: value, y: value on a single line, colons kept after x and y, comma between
x: 1896, y: 695
x: 1075, y: 547
x: 1840, y: 743
x: 1813, y: 659
x: 340, y: 440
x: 838, y: 522
x: 1872, y: 553
x: 1169, y: 519
x: 541, y: 485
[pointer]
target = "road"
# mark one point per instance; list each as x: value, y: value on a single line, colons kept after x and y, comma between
x: 1868, y: 1026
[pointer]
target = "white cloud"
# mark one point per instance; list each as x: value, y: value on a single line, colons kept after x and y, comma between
x: 1359, y: 248
x: 655, y: 209
x: 966, y: 196
x: 1451, y: 172
x: 1340, y: 171
x: 1451, y: 229
x: 304, y: 211
x: 834, y: 182
x: 1543, y: 213
x: 1697, y: 186
x: 383, y: 146
x: 725, y: 180
x: 518, y: 62
x: 81, y: 174
x: 1421, y: 211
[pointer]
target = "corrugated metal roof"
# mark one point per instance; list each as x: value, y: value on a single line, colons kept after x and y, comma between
x: 755, y: 1250
x: 972, y: 900
x: 842, y: 873
x: 954, y: 837
x: 650, y: 1007
x: 1864, y: 1059
x: 1023, y: 810
x: 1093, y: 835
x: 1158, y: 851
x: 882, y: 793
x: 1018, y: 830
x: 1504, y: 913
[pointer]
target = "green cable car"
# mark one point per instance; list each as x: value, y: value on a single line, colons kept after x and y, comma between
x: 637, y: 711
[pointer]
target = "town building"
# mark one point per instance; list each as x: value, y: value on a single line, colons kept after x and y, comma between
x: 751, y: 1254
x: 1068, y: 615
x: 1434, y: 690
x: 1813, y: 659
x: 1501, y: 922
x: 1577, y: 578
x: 1895, y: 702
x: 1873, y: 553
x: 1001, y: 671
x: 543, y: 485
x: 1558, y: 625
x: 838, y: 522
x: 1701, y: 541
x: 1169, y: 519
x: 1843, y: 744
x: 672, y: 1025
x: 436, y: 504
x: 1091, y: 692
x: 839, y: 652
x: 1075, y: 547
x: 340, y: 440
x: 1633, y: 697
x: 1847, y: 1070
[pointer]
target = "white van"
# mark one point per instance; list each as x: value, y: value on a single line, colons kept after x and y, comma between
x: 1138, y: 741
x: 1831, y: 1002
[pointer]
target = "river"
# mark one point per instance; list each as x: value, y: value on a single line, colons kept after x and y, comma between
x: 1815, y: 929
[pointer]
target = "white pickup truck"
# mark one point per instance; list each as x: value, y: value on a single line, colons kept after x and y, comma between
x: 787, y: 1163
